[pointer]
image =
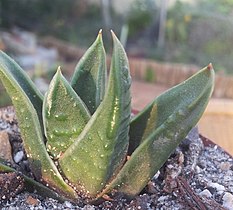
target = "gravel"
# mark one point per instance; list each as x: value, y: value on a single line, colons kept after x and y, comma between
x: 194, y: 177
x: 18, y: 156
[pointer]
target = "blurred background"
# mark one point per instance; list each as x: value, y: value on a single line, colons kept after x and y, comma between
x: 166, y: 41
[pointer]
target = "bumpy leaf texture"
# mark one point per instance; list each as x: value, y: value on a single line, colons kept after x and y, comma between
x: 101, y: 148
x: 31, y: 131
x: 64, y: 115
x: 157, y: 130
x: 89, y: 78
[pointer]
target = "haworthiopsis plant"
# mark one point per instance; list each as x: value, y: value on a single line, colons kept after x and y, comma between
x: 80, y: 139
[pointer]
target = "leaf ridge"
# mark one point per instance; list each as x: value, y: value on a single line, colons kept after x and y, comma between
x: 89, y: 78
x: 12, y: 70
x: 40, y: 162
x: 99, y: 151
x: 141, y: 166
x: 64, y: 115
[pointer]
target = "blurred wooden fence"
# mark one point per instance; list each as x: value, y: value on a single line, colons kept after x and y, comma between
x: 168, y: 74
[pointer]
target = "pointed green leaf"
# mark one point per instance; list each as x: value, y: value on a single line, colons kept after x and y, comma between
x: 90, y: 75
x: 41, y: 164
x: 64, y: 115
x: 152, y: 153
x: 12, y: 70
x: 157, y: 112
x: 101, y: 148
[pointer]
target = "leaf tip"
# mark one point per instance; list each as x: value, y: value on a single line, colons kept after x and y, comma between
x: 113, y: 34
x: 115, y: 39
x: 59, y: 69
x: 58, y: 73
x: 210, y: 66
x: 100, y: 32
x: 99, y: 37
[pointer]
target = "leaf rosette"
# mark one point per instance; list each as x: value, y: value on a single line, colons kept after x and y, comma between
x: 78, y: 136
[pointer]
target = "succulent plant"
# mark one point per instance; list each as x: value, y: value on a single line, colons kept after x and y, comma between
x: 80, y: 139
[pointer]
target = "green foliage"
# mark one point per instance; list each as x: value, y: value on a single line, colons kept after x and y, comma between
x: 68, y: 20
x: 150, y: 75
x: 26, y: 13
x: 62, y: 127
x: 28, y: 104
x: 200, y: 32
x: 87, y: 145
x: 222, y: 7
x: 178, y: 23
x: 140, y: 16
x: 4, y: 97
x: 91, y: 73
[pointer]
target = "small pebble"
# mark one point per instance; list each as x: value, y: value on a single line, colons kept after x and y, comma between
x: 217, y: 186
x: 156, y: 175
x: 228, y: 201
x: 198, y: 169
x: 68, y: 204
x: 151, y: 188
x: 18, y: 156
x: 5, y: 147
x: 225, y: 166
x: 220, y: 192
x: 206, y: 193
x: 32, y: 201
x: 88, y: 207
x: 162, y: 198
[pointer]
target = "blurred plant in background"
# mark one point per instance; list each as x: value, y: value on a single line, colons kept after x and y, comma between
x: 201, y: 31
x: 194, y: 31
x: 140, y: 16
x: 67, y: 20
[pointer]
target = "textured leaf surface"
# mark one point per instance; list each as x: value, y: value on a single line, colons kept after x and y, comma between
x: 90, y: 75
x: 64, y: 115
x: 41, y: 164
x: 101, y: 148
x: 12, y: 70
x: 151, y: 154
x: 157, y: 112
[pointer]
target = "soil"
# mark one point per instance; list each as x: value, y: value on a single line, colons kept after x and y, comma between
x: 194, y: 177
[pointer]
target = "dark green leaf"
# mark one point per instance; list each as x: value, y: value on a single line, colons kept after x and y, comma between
x: 14, y: 72
x: 155, y: 149
x: 157, y: 112
x: 64, y: 115
x: 41, y: 164
x: 101, y: 148
x: 90, y: 75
